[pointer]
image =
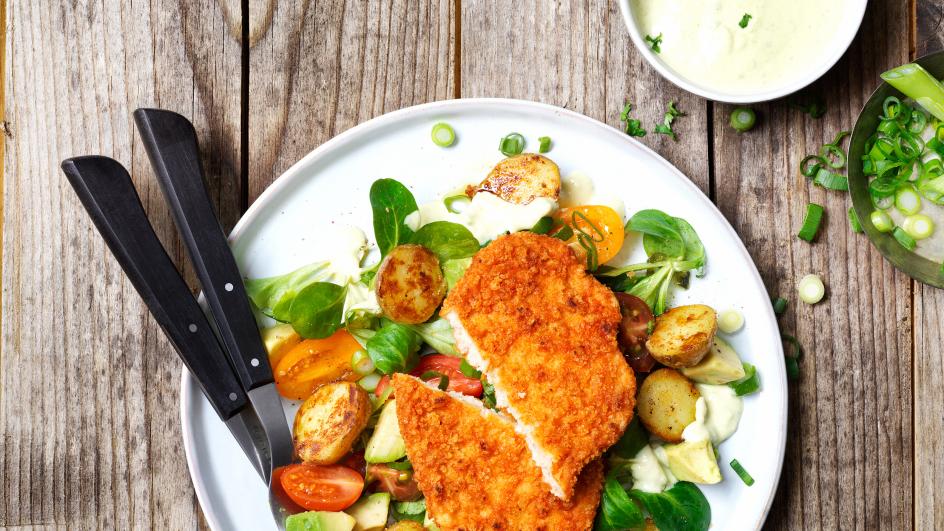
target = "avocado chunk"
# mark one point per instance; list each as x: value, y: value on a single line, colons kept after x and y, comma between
x: 428, y: 522
x: 319, y: 521
x: 370, y: 512
x: 720, y: 366
x: 386, y: 444
x: 693, y: 461
x: 275, y: 338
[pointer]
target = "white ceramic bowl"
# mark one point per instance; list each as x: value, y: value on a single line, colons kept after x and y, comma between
x: 846, y: 29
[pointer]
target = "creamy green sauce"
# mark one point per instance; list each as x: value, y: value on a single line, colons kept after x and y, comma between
x: 703, y: 42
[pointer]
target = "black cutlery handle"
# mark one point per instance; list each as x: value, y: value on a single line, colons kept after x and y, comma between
x: 171, y: 143
x: 105, y: 189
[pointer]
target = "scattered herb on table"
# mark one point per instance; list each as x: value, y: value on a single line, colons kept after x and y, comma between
x: 815, y: 105
x: 654, y: 42
x: 632, y: 126
x: 811, y: 223
x: 744, y: 20
x: 665, y: 127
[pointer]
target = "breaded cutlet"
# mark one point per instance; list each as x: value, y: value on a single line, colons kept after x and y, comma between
x: 543, y: 331
x: 475, y: 469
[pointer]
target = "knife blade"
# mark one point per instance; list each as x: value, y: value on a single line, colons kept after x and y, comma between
x: 106, y: 191
x: 171, y: 142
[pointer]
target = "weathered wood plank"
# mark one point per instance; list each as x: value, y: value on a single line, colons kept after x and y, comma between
x: 928, y: 341
x: 849, y: 451
x: 578, y: 55
x: 89, y: 387
x: 318, y: 68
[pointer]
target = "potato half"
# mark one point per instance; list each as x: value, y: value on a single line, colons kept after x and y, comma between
x: 410, y: 284
x: 522, y: 178
x: 666, y: 404
x: 683, y: 335
x: 329, y: 422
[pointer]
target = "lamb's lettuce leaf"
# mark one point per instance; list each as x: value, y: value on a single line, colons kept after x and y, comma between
x: 447, y: 240
x: 391, y: 203
x: 393, y: 348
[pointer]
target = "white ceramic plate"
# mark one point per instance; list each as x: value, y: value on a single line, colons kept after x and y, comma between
x: 330, y: 186
x: 846, y: 27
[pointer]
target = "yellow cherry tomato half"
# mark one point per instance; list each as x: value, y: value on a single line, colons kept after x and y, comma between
x: 602, y: 224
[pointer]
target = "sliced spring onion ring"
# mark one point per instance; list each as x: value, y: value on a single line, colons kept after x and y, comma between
x: 432, y: 375
x: 361, y: 363
x: 456, y: 203
x: 918, y: 226
x: 468, y: 370
x: 881, y: 221
x: 369, y: 382
x: 831, y: 181
x: 730, y: 321
x: 854, y: 220
x: 443, y: 134
x: 811, y: 289
x: 907, y: 200
x: 544, y: 144
x: 543, y: 225
x: 904, y: 239
x: 742, y: 473
x: 814, y: 216
x: 512, y: 144
x: 743, y: 119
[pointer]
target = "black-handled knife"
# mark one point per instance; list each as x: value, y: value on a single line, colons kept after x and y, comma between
x: 107, y: 192
x: 171, y: 143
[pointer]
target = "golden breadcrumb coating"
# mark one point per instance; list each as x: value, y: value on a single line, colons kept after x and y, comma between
x: 544, y: 332
x: 475, y: 469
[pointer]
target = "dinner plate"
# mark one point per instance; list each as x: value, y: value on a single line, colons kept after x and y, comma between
x: 288, y: 225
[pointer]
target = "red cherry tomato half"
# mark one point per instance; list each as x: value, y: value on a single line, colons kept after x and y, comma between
x: 382, y: 386
x: 399, y: 483
x: 322, y: 488
x: 449, y: 366
x: 634, y: 331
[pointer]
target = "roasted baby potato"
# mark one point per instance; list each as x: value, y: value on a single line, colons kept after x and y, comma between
x: 410, y: 284
x: 666, y: 404
x: 522, y: 178
x: 329, y: 422
x: 683, y: 335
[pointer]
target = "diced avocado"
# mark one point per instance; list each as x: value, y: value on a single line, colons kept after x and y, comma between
x: 720, y: 366
x: 319, y: 521
x: 693, y: 461
x: 275, y: 338
x: 386, y: 444
x: 370, y: 512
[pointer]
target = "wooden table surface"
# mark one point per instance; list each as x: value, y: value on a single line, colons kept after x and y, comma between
x: 89, y: 413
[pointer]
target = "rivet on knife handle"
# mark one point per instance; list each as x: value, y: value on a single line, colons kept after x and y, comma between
x: 171, y: 143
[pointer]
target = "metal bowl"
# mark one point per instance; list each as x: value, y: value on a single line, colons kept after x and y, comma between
x: 917, y: 267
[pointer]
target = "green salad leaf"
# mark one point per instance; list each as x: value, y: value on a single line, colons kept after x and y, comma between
x: 454, y: 269
x: 682, y: 507
x: 393, y: 348
x: 674, y: 249
x: 438, y: 335
x: 391, y: 203
x: 617, y: 511
x: 633, y: 440
x: 273, y: 295
x: 303, y: 298
x: 447, y: 240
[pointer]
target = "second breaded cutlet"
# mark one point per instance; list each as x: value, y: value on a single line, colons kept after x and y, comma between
x: 543, y: 331
x: 475, y: 470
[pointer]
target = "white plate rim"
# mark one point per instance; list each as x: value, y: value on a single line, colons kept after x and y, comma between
x: 187, y: 394
x: 855, y: 21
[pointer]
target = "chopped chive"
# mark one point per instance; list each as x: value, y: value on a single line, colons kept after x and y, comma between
x: 512, y: 144
x: 797, y: 350
x: 654, y: 42
x: 545, y: 144
x: 742, y: 473
x: 565, y: 233
x: 744, y: 20
x: 854, y: 220
x: 468, y: 370
x: 814, y: 216
x: 904, y: 239
x: 780, y: 305
x: 793, y: 368
x: 749, y: 384
x: 443, y: 134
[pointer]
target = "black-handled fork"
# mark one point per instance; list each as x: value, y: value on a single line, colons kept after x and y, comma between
x: 105, y: 189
